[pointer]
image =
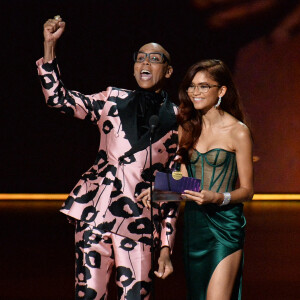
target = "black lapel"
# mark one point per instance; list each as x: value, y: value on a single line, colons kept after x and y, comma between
x: 127, y: 111
x: 167, y: 122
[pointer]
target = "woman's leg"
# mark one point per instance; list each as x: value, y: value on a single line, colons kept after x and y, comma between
x: 224, y: 276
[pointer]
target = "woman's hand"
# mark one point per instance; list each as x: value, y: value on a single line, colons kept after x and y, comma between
x: 145, y: 197
x: 203, y: 197
x: 53, y: 29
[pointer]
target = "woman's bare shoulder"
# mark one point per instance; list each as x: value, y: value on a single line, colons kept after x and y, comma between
x: 240, y: 133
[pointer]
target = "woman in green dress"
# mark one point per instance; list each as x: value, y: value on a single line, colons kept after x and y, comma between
x: 215, y: 145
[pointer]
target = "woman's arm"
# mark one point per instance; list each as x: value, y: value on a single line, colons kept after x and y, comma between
x: 244, y: 158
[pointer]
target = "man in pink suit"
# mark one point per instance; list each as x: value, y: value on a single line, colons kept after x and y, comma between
x: 113, y: 227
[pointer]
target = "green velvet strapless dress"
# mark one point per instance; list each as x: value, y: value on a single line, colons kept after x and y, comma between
x: 212, y: 232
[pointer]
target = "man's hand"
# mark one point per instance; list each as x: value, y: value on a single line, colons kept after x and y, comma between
x: 145, y: 197
x: 53, y: 29
x: 165, y: 267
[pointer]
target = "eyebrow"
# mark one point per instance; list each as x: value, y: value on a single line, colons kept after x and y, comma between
x: 201, y: 83
x: 151, y: 52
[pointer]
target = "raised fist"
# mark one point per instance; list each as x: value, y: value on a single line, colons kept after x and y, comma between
x: 53, y: 29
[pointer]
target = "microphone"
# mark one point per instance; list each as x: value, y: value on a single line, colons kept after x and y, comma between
x: 153, y: 122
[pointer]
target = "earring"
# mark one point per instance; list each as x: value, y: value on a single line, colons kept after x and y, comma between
x: 219, y: 102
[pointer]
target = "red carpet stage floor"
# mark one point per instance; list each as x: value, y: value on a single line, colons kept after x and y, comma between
x: 37, y: 254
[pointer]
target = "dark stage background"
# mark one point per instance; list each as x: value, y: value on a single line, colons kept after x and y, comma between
x: 44, y: 151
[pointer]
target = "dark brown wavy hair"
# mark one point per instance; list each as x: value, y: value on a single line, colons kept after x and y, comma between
x: 189, y: 118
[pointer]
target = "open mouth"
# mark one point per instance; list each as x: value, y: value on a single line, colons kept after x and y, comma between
x: 146, y: 75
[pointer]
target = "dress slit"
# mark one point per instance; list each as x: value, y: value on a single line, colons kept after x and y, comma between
x: 237, y: 279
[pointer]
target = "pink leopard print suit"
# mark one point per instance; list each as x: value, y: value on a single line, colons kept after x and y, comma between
x: 104, y: 199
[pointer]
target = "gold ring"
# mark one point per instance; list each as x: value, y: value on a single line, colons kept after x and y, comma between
x: 57, y: 17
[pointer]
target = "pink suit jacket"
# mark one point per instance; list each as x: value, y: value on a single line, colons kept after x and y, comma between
x: 105, y: 195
